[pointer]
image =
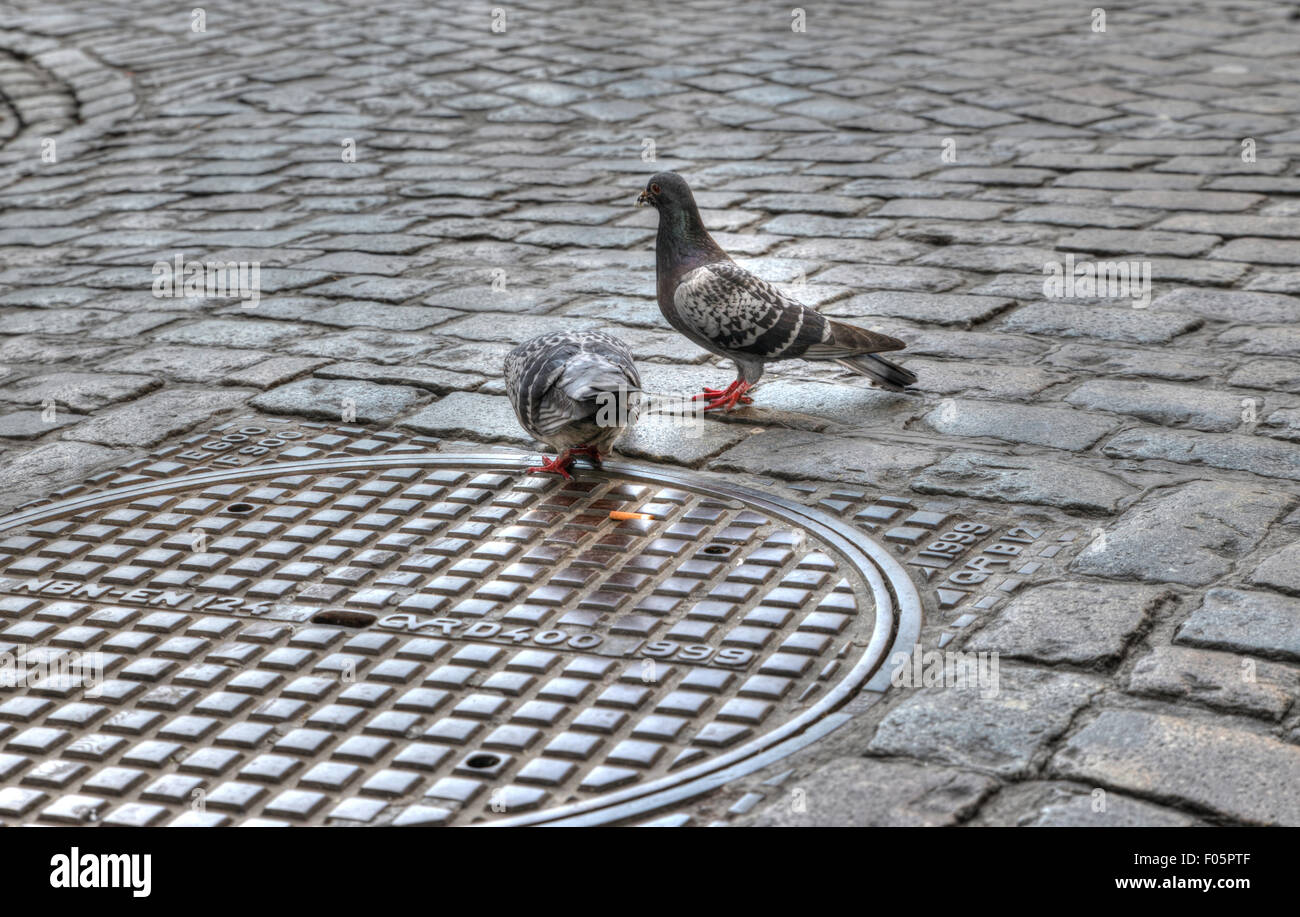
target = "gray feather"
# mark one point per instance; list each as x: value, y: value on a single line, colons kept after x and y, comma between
x: 573, y: 388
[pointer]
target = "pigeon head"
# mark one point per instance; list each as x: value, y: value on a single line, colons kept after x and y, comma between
x: 682, y: 237
x: 668, y: 192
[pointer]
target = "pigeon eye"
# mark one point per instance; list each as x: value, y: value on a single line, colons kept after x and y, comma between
x: 654, y: 189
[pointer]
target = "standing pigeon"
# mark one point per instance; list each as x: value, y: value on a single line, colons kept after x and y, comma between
x: 575, y: 391
x: 724, y: 308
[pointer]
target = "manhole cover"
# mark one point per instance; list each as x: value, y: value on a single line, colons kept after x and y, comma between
x: 423, y: 639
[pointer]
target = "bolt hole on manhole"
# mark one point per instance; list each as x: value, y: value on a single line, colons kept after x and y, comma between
x: 424, y: 606
x: 344, y: 618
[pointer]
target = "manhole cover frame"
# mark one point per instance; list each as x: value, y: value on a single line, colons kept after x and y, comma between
x: 898, y: 609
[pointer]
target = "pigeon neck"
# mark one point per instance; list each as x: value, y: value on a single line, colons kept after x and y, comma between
x: 683, y: 240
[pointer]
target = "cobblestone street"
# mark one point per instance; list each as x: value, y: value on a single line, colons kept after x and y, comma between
x: 422, y: 191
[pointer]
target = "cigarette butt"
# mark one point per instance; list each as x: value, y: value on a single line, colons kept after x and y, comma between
x: 618, y: 514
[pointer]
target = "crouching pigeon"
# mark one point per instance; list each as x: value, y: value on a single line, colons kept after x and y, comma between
x: 724, y: 308
x: 575, y: 391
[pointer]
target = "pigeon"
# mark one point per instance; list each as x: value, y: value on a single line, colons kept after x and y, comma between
x: 726, y: 309
x: 575, y: 391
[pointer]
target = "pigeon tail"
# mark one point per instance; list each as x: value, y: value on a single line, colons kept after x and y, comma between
x: 887, y: 375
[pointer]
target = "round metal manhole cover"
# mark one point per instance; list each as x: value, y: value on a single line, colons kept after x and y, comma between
x: 422, y: 639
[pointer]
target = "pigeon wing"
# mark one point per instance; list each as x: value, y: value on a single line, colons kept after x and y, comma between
x: 740, y: 313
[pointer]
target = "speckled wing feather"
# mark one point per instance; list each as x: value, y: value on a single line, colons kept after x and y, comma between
x: 743, y: 314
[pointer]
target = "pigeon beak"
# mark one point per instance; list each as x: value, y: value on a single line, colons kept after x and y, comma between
x: 642, y: 199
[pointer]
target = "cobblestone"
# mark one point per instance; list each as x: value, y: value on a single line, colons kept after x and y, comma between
x: 1004, y: 735
x: 841, y: 793
x: 1245, y: 621
x: 1191, y: 534
x: 1024, y: 479
x: 1220, y: 680
x: 491, y: 199
x: 1220, y: 770
x: 1086, y: 624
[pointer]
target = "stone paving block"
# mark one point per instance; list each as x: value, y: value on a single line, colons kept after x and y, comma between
x: 78, y: 390
x: 799, y: 455
x: 1236, y: 451
x: 48, y: 467
x: 331, y: 399
x: 1245, y: 621
x: 1024, y: 479
x: 274, y: 371
x: 379, y: 315
x: 1007, y: 734
x: 1139, y: 244
x: 364, y: 345
x: 1056, y: 804
x: 33, y: 424
x: 229, y: 332
x: 1079, y: 623
x: 1061, y: 428
x: 941, y: 309
x: 1190, y: 534
x: 1162, y: 403
x: 983, y: 380
x: 1137, y: 326
x: 1217, y: 769
x: 470, y: 414
x: 810, y: 404
x: 865, y: 792
x: 186, y: 364
x: 1282, y: 375
x: 1162, y: 364
x: 437, y: 380
x: 1280, y: 570
x: 680, y: 440
x: 1223, y: 681
x: 1230, y: 305
x: 149, y: 420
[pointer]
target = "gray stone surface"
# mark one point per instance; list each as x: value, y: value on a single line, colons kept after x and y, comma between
x: 798, y: 455
x: 1054, y: 804
x: 1005, y: 735
x: 1077, y: 623
x: 1237, y: 451
x: 1280, y: 570
x: 468, y: 414
x: 79, y: 391
x: 938, y: 309
x: 1041, y: 426
x: 1220, y: 770
x: 1223, y: 681
x: 365, y: 402
x: 1245, y: 621
x: 1024, y: 479
x: 1067, y: 320
x: 153, y: 418
x: 865, y: 792
x: 680, y: 440
x: 1162, y: 403
x: 50, y: 466
x: 1190, y: 534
